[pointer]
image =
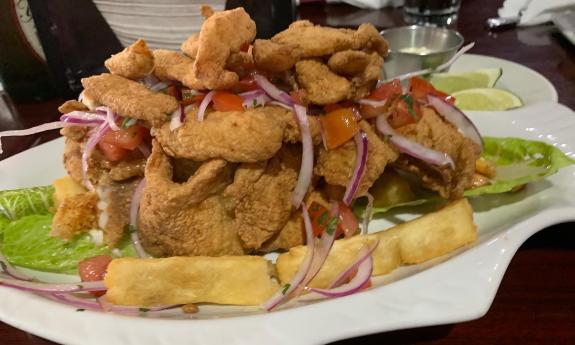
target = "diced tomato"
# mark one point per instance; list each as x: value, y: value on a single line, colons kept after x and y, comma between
x: 94, y: 269
x: 173, y: 91
x: 404, y: 111
x: 227, y: 101
x: 419, y: 88
x: 190, y: 96
x: 112, y: 152
x: 319, y: 217
x: 245, y: 84
x: 128, y: 138
x: 387, y: 90
x: 348, y: 224
x: 338, y: 127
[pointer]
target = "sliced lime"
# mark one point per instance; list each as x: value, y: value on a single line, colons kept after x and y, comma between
x: 486, y: 99
x: 453, y: 82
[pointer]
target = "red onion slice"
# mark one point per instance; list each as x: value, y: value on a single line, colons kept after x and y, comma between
x: 204, y: 105
x: 412, y: 148
x: 7, y: 268
x: 134, y: 208
x: 372, y: 103
x: 300, y: 275
x: 443, y: 66
x: 145, y: 149
x: 101, y: 304
x: 280, y: 104
x: 456, y: 117
x: 53, y: 288
x: 93, y: 140
x: 306, y: 168
x: 83, y: 116
x: 364, y: 253
x: 110, y: 117
x: 273, y: 91
x: 107, y: 306
x: 38, y: 129
x: 360, y: 162
x: 254, y: 98
x: 178, y: 117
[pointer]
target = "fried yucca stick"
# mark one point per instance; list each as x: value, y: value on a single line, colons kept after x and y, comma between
x: 236, y: 280
x: 413, y: 242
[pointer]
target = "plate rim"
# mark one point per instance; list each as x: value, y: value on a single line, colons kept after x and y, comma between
x: 502, y: 245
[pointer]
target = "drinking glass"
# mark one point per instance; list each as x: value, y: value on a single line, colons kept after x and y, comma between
x: 431, y: 12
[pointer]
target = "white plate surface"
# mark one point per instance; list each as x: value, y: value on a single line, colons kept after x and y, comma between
x: 526, y: 83
x: 450, y: 289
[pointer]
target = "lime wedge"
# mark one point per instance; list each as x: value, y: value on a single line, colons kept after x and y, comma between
x: 453, y: 82
x: 486, y: 99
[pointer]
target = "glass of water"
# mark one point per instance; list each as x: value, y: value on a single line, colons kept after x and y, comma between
x: 431, y: 12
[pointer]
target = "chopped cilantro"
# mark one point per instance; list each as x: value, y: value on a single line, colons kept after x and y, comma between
x: 255, y: 103
x: 409, y: 101
x: 126, y: 122
x: 331, y: 225
x: 323, y: 218
x: 143, y: 310
x: 285, y: 288
x: 80, y: 309
x: 130, y: 228
x: 80, y: 286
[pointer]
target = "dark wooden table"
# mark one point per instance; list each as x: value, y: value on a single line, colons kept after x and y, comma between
x: 535, y: 303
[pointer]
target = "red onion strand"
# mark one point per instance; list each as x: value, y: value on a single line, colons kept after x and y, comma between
x: 134, y: 208
x: 360, y: 163
x: 306, y: 168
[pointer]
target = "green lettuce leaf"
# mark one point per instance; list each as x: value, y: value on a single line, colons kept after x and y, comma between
x: 15, y: 204
x: 518, y: 161
x: 27, y: 243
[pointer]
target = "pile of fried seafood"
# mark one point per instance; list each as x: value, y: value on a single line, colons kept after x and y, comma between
x: 209, y: 138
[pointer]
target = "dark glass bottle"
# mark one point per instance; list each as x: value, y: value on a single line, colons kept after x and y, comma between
x: 23, y: 72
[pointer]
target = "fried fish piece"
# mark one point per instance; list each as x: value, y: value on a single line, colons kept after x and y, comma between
x: 235, y: 280
x: 322, y: 86
x: 275, y: 56
x: 188, y: 218
x: 171, y: 65
x: 317, y: 41
x: 222, y: 34
x: 129, y: 98
x: 364, y: 70
x: 263, y: 206
x: 134, y: 62
x: 337, y: 165
x: 114, y: 209
x: 435, y: 132
x: 246, y: 136
x: 72, y: 105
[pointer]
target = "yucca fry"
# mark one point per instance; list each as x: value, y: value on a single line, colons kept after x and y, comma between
x: 234, y: 280
x: 413, y: 242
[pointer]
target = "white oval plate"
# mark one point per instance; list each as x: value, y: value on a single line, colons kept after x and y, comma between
x: 454, y: 288
x: 529, y: 85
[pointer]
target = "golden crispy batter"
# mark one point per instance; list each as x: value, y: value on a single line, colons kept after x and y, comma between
x: 130, y: 98
x: 186, y: 218
x: 264, y: 207
x: 349, y: 62
x: 72, y: 159
x: 76, y: 133
x: 75, y: 214
x: 236, y: 280
x: 134, y: 62
x: 275, y: 56
x: 72, y: 105
x: 363, y: 83
x: 337, y: 165
x: 434, y: 132
x: 206, y: 11
x: 126, y: 169
x: 171, y: 65
x: 248, y: 136
x: 322, y: 86
x: 292, y: 133
x: 222, y: 34
x: 316, y: 41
